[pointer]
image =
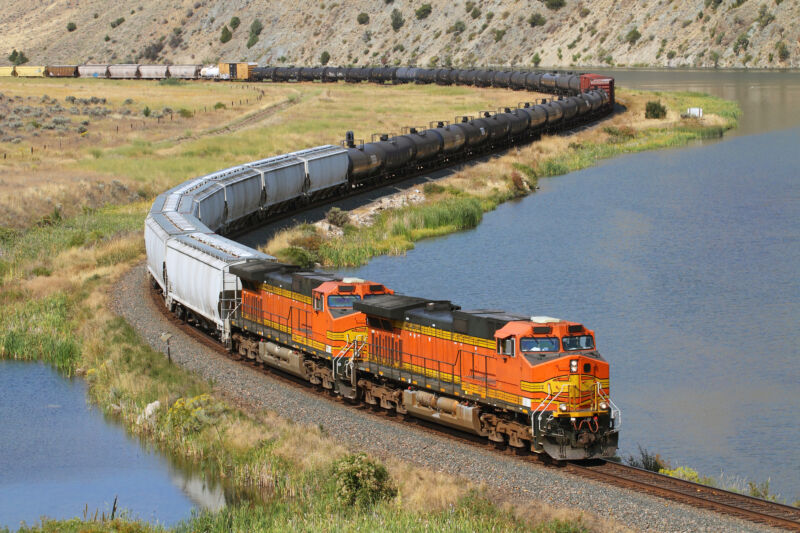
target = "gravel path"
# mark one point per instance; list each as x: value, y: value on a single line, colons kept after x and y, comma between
x: 365, y: 431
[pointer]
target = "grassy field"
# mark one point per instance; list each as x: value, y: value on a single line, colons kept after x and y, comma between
x: 62, y: 250
x: 459, y: 201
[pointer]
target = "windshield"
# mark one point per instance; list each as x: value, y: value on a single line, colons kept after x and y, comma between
x: 580, y: 342
x: 342, y: 300
x: 538, y: 344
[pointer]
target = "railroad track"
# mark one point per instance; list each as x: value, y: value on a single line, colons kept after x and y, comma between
x: 619, y: 475
x: 694, y: 494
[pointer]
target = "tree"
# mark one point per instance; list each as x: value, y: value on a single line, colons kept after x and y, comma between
x: 71, y: 26
x: 423, y: 11
x: 226, y: 34
x: 17, y: 58
x: 554, y: 5
x: 397, y: 19
x: 256, y: 27
x: 536, y: 59
x: 235, y: 23
x: 362, y: 18
x: 324, y: 57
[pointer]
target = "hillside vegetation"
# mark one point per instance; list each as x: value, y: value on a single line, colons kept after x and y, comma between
x: 548, y: 33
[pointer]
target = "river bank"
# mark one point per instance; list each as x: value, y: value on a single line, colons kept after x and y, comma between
x: 390, y: 226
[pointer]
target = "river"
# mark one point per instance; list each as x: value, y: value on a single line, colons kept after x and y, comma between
x: 684, y: 262
x: 60, y: 456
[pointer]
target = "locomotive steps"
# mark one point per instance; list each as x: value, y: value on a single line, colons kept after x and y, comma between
x: 57, y: 278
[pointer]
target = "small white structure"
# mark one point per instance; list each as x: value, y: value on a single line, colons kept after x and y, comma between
x: 695, y: 112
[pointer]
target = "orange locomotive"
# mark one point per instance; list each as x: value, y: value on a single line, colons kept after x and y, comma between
x: 530, y: 382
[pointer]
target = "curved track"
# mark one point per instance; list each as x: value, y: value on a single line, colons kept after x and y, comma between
x: 679, y: 490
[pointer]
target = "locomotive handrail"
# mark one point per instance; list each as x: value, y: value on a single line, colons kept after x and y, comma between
x: 564, y: 387
x: 618, y: 418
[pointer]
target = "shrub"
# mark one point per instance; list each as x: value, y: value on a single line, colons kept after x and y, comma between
x: 585, y: 12
x: 226, y: 34
x: 397, y: 19
x: 783, y: 50
x: 741, y: 43
x: 117, y: 22
x: 146, y: 111
x: 362, y: 18
x: 632, y: 36
x: 361, y: 481
x: 324, y: 57
x: 423, y: 11
x: 655, y: 110
x: 469, y: 6
x: 475, y: 13
x: 458, y: 27
x: 537, y: 19
x: 106, y: 38
x: 554, y: 5
x: 689, y: 474
x: 671, y: 54
x: 337, y: 217
x: 219, y: 105
x: 714, y: 56
x: 71, y: 26
x: 498, y: 35
x: 185, y: 113
x: 252, y: 40
x: 536, y: 59
x: 152, y: 50
x: 234, y: 23
x: 649, y: 461
x: 256, y: 27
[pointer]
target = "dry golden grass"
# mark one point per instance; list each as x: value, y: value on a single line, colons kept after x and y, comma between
x: 425, y: 490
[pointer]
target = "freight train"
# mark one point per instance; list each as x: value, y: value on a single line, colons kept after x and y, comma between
x: 564, y: 83
x: 534, y: 383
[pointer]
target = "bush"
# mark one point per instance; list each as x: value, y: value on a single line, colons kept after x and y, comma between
x: 655, y: 110
x: 554, y: 5
x: 106, y: 38
x: 362, y: 18
x: 117, y: 22
x: 537, y: 19
x: 152, y: 50
x: 783, y: 51
x: 498, y: 35
x: 632, y: 36
x: 256, y: 27
x: 475, y: 13
x: 536, y: 59
x: 649, y: 461
x: 219, y: 105
x: 423, y: 11
x: 185, y: 113
x: 226, y: 35
x: 234, y: 23
x: 361, y: 481
x: 337, y: 217
x: 252, y: 40
x: 457, y: 28
x: 71, y: 26
x: 324, y: 57
x: 146, y: 111
x: 397, y: 19
x: 689, y: 474
x: 741, y: 43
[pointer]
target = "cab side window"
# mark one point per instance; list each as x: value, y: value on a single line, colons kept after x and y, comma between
x: 506, y: 347
x: 318, y: 302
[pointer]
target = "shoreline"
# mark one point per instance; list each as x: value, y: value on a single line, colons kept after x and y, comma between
x: 390, y: 225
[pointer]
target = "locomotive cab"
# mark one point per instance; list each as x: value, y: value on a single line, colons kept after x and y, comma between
x: 565, y: 382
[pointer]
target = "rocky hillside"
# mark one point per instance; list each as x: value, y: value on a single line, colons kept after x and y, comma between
x: 557, y: 33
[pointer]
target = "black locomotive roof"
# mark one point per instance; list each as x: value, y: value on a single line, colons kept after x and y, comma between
x: 438, y: 314
x: 257, y: 271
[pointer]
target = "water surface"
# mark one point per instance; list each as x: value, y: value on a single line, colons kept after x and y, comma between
x: 59, y: 456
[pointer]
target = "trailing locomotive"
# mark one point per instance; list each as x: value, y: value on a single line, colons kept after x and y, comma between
x: 530, y: 382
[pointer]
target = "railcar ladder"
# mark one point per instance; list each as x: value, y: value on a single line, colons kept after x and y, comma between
x: 229, y: 303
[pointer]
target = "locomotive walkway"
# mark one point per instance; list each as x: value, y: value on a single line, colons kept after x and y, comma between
x: 509, y: 478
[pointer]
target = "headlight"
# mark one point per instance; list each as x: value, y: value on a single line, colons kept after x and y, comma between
x: 563, y: 407
x: 603, y: 406
x: 573, y: 366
